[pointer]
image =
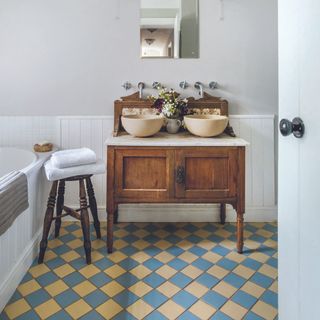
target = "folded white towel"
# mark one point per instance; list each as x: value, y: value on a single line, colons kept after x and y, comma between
x: 53, y: 173
x: 73, y: 157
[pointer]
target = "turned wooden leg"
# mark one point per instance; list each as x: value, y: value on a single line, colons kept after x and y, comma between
x: 59, y: 207
x: 85, y: 224
x: 223, y: 213
x: 93, y: 207
x: 115, y: 217
x: 48, y: 220
x: 240, y: 232
x: 110, y: 220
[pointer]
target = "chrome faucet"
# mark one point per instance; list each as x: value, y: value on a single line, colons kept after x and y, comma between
x: 199, y: 86
x: 141, y: 86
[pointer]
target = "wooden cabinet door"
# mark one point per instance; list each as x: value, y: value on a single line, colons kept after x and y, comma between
x: 144, y: 174
x: 206, y: 173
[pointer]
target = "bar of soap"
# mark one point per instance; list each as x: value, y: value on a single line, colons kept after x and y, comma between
x: 43, y: 147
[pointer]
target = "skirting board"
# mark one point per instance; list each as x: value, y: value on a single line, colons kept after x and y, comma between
x: 187, y: 213
x: 19, y: 270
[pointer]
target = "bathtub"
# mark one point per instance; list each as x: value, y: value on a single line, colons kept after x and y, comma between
x: 19, y: 244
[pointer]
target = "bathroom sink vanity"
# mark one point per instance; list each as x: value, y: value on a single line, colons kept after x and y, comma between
x: 175, y: 168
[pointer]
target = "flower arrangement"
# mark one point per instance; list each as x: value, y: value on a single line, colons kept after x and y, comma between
x: 170, y: 104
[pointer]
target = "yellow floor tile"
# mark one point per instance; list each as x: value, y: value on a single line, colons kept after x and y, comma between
x: 163, y: 244
x: 188, y: 257
x: 253, y: 289
x: 140, y: 289
x: 98, y: 244
x: 56, y: 288
x: 168, y: 289
x: 274, y: 287
x: 117, y: 256
x: 115, y: 271
x: 264, y: 310
x: 185, y: 245
x: 141, y: 233
x: 109, y: 309
x: 63, y: 270
x: 212, y: 257
x: 140, y: 271
x: 192, y: 272
x: 243, y: 271
x: 89, y: 271
x: 236, y: 257
x: 225, y: 289
x: 54, y: 243
x: 140, y: 309
x: 196, y: 289
x: 47, y: 309
x: 76, y: 243
x: 164, y: 257
x: 38, y: 270
x: 140, y: 256
x: 171, y: 310
x: 49, y: 255
x: 264, y: 233
x: 118, y: 244
x: 206, y: 244
x: 269, y: 271
x: 78, y: 309
x: 140, y: 244
x: 84, y: 288
x: 28, y: 287
x: 234, y: 310
x: 261, y: 257
x: 112, y: 288
x: 96, y: 256
x: 17, y: 308
x: 70, y: 256
x: 218, y: 272
x: 166, y: 271
x: 202, y: 310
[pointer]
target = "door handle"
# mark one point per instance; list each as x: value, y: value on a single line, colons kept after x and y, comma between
x: 296, y: 127
x: 180, y: 175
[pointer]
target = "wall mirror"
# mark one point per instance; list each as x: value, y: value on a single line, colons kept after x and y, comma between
x: 169, y: 28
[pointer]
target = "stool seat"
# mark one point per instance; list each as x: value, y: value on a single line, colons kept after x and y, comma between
x: 53, y: 173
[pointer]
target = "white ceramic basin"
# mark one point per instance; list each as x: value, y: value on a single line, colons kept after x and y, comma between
x: 142, y: 125
x: 206, y: 125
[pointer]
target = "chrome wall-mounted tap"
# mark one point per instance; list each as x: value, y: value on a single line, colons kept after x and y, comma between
x: 156, y: 85
x: 213, y: 85
x: 199, y: 86
x: 183, y: 85
x: 141, y: 86
x: 127, y: 85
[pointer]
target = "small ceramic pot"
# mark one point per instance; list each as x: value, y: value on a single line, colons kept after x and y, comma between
x: 173, y: 125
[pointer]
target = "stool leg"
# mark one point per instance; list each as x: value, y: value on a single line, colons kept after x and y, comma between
x: 48, y: 220
x: 93, y: 207
x: 59, y: 207
x: 85, y: 224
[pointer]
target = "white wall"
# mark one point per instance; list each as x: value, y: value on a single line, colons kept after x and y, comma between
x: 71, y: 57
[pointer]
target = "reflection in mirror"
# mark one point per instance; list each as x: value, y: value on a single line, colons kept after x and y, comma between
x: 169, y: 28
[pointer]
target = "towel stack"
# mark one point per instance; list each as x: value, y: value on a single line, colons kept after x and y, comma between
x: 73, y: 162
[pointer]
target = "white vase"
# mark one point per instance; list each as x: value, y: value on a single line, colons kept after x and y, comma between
x: 173, y: 125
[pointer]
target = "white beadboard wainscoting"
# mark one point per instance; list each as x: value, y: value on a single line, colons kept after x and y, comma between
x: 91, y: 131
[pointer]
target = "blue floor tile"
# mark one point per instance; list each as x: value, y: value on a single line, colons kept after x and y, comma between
x: 207, y: 280
x: 227, y: 264
x: 92, y: 315
x: 180, y: 280
x: 188, y: 316
x: 261, y: 280
x: 251, y: 263
x: 61, y: 315
x: 73, y: 279
x: 100, y: 279
x: 30, y: 315
x: 95, y: 298
x: 220, y: 316
x: 155, y: 315
x: 66, y: 298
x: 271, y: 298
x: 125, y: 298
x: 38, y: 297
x: 214, y: 299
x: 235, y: 280
x: 152, y: 264
x: 184, y: 299
x: 154, y: 280
x: 252, y: 316
x: 47, y: 278
x: 177, y: 264
x: 202, y: 264
x: 244, y: 299
x: 155, y: 298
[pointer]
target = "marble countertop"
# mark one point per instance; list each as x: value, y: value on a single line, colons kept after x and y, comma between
x: 184, y: 139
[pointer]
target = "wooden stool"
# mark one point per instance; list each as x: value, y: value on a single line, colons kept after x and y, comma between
x: 80, y: 214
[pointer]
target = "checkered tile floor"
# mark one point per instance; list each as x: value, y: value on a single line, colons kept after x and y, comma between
x: 158, y: 271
